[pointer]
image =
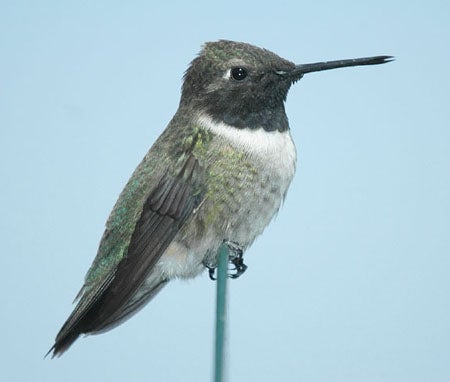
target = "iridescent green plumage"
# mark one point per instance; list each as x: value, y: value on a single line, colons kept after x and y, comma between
x: 220, y: 170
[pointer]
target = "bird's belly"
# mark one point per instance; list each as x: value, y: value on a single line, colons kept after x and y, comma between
x: 239, y: 218
x: 246, y: 186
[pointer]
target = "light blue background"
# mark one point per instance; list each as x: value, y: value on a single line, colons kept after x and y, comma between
x: 349, y: 283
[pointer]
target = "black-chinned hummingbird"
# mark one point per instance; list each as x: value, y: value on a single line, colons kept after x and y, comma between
x: 219, y: 171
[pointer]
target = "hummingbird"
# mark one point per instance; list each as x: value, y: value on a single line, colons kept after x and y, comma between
x: 217, y: 175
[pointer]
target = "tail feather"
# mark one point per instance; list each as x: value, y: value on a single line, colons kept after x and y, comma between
x: 92, y: 321
x: 62, y: 344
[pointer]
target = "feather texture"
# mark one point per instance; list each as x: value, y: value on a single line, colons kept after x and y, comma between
x: 165, y: 210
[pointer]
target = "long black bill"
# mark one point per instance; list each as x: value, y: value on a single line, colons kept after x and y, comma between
x: 318, y: 66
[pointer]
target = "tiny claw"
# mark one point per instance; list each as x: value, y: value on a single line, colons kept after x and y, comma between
x: 211, y: 272
x: 236, y: 258
x: 239, y: 267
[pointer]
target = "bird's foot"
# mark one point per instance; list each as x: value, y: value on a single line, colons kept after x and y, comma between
x: 211, y: 270
x: 235, y: 257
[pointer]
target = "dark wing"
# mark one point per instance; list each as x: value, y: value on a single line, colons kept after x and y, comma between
x: 166, y: 209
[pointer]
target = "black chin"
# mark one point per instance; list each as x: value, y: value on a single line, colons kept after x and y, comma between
x: 267, y: 119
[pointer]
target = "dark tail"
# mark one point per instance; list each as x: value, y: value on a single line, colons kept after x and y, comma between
x: 62, y: 344
x: 92, y: 320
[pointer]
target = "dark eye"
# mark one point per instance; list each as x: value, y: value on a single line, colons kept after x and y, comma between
x: 238, y: 73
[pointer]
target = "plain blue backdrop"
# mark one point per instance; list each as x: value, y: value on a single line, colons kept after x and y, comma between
x: 351, y: 280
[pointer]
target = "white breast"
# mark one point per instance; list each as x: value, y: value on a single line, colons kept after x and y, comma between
x: 275, y: 155
x: 275, y: 148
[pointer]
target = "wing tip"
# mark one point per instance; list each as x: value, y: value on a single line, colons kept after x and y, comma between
x: 62, y: 344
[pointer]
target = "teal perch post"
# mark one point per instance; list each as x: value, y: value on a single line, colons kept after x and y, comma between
x: 221, y: 314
